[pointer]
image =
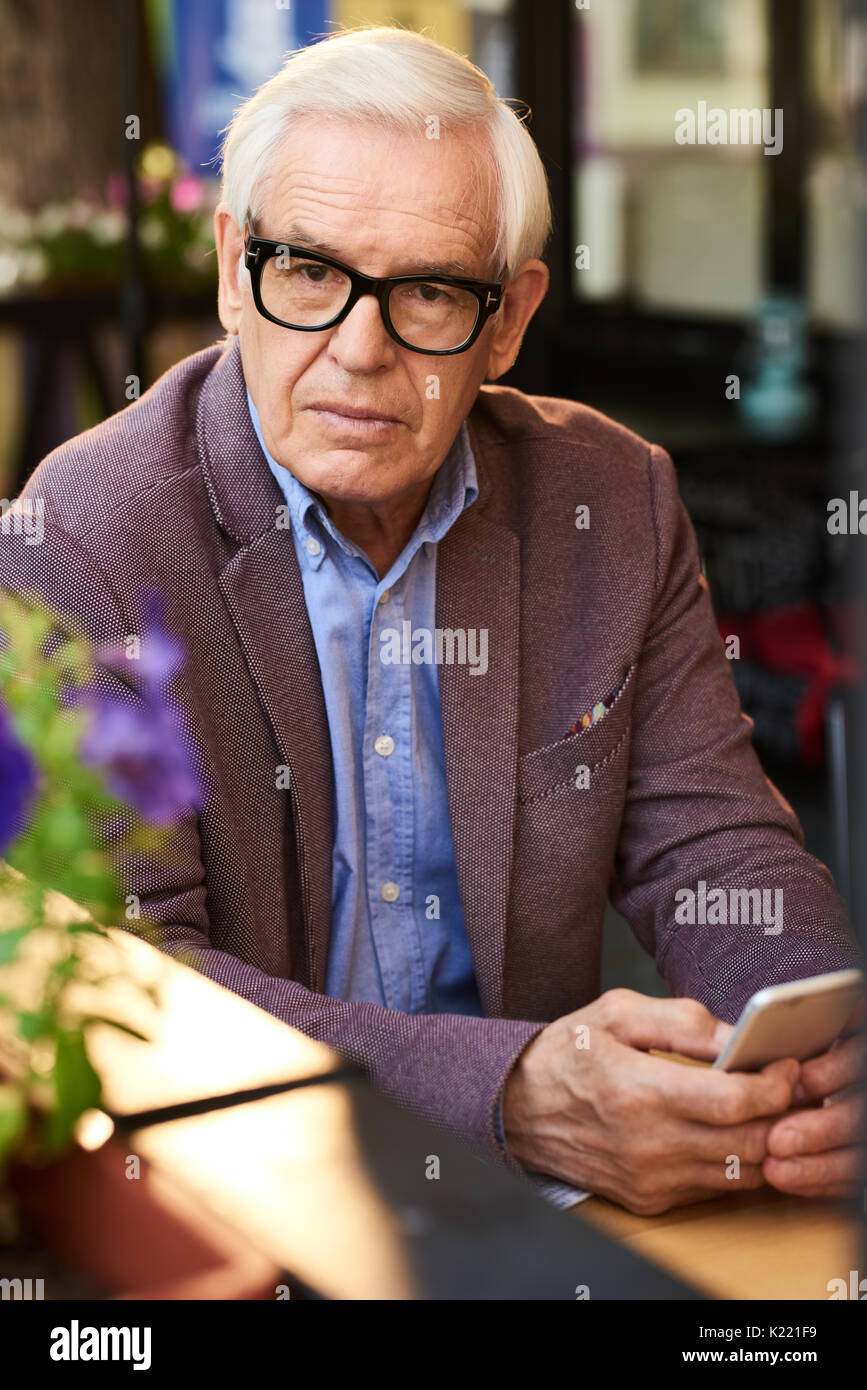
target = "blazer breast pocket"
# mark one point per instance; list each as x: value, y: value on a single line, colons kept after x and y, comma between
x: 574, y: 761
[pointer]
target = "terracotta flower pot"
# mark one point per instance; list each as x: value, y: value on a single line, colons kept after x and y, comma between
x: 137, y: 1238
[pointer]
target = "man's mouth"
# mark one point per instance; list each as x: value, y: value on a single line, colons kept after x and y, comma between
x: 354, y: 419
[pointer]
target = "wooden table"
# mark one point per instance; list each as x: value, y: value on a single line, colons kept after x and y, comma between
x: 328, y: 1181
x: 251, y: 1166
x: 761, y: 1244
x: 748, y: 1245
x: 288, y: 1173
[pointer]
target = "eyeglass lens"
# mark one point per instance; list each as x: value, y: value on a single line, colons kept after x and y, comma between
x: 308, y: 294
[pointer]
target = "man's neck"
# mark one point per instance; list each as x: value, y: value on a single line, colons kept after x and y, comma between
x: 381, y: 531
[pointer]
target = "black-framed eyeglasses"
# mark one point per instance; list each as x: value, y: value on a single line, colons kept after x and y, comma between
x: 304, y: 290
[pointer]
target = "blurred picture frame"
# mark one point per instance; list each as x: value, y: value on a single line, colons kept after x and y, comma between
x: 680, y: 36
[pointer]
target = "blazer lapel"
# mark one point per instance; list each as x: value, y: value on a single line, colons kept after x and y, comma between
x: 478, y: 586
x: 264, y: 592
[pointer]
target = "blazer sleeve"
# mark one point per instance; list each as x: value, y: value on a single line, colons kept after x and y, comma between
x: 699, y: 807
x: 450, y: 1069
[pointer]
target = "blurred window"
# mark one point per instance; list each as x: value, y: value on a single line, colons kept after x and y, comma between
x: 684, y: 229
x: 836, y: 191
x: 674, y: 228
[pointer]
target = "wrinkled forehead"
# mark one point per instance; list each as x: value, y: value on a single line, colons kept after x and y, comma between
x: 365, y: 194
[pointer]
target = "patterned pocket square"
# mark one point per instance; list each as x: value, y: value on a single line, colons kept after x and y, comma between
x: 594, y: 715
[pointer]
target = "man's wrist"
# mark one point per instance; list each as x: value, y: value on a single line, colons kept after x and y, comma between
x: 498, y: 1114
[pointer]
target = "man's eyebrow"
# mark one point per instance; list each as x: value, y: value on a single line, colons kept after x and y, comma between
x: 298, y: 237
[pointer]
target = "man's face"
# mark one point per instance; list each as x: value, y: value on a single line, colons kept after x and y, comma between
x: 384, y: 205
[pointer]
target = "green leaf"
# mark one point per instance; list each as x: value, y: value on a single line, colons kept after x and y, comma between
x: 64, y: 969
x: 76, y: 1088
x: 33, y: 1024
x: 13, y: 1120
x: 10, y: 941
x: 93, y: 927
x: 67, y: 829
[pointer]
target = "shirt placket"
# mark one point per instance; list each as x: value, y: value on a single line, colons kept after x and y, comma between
x: 389, y: 783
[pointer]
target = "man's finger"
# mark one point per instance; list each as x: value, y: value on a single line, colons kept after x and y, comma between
x: 718, y: 1097
x: 857, y: 1020
x: 832, y: 1071
x: 816, y: 1131
x: 719, y: 1177
x: 670, y: 1025
x: 720, y: 1143
x: 833, y: 1174
x: 693, y: 1182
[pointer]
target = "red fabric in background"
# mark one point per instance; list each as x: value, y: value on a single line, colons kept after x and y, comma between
x: 803, y: 641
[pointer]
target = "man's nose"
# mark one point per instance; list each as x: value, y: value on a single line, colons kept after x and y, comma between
x: 361, y: 342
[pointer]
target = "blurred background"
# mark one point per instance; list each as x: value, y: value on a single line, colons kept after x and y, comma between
x: 710, y: 296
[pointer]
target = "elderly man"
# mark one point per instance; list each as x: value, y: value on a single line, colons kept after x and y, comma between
x: 453, y: 670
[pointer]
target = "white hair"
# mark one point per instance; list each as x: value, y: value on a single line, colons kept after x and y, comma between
x: 399, y: 81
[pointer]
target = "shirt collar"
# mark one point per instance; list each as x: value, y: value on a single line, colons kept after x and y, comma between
x: 455, y: 487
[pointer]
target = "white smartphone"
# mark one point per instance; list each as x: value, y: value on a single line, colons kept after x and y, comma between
x: 800, y: 1019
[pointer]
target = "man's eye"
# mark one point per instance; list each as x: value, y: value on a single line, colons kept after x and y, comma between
x: 313, y: 272
x: 303, y: 272
x: 423, y: 293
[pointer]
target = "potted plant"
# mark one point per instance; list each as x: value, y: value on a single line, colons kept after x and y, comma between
x: 79, y: 245
x: 79, y: 768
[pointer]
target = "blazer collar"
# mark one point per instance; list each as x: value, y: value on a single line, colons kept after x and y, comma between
x: 244, y: 496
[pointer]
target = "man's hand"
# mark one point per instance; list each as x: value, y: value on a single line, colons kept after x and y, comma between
x: 818, y: 1152
x: 586, y: 1103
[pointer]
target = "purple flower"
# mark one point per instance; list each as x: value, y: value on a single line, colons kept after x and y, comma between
x: 141, y: 751
x: 141, y: 747
x: 17, y: 782
x: 161, y: 656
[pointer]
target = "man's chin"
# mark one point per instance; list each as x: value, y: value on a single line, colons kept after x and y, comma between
x: 358, y: 479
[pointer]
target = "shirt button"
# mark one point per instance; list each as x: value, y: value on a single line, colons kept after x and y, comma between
x: 384, y: 745
x: 312, y: 546
x: 390, y: 892
x: 385, y: 596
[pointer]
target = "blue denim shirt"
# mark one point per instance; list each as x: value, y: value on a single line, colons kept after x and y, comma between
x: 397, y: 927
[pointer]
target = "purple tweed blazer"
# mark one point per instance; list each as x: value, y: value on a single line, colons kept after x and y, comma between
x: 174, y: 493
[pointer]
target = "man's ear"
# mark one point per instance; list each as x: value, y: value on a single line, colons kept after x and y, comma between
x: 521, y: 298
x: 229, y: 240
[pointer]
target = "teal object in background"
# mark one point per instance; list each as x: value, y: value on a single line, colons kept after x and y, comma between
x: 776, y: 400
